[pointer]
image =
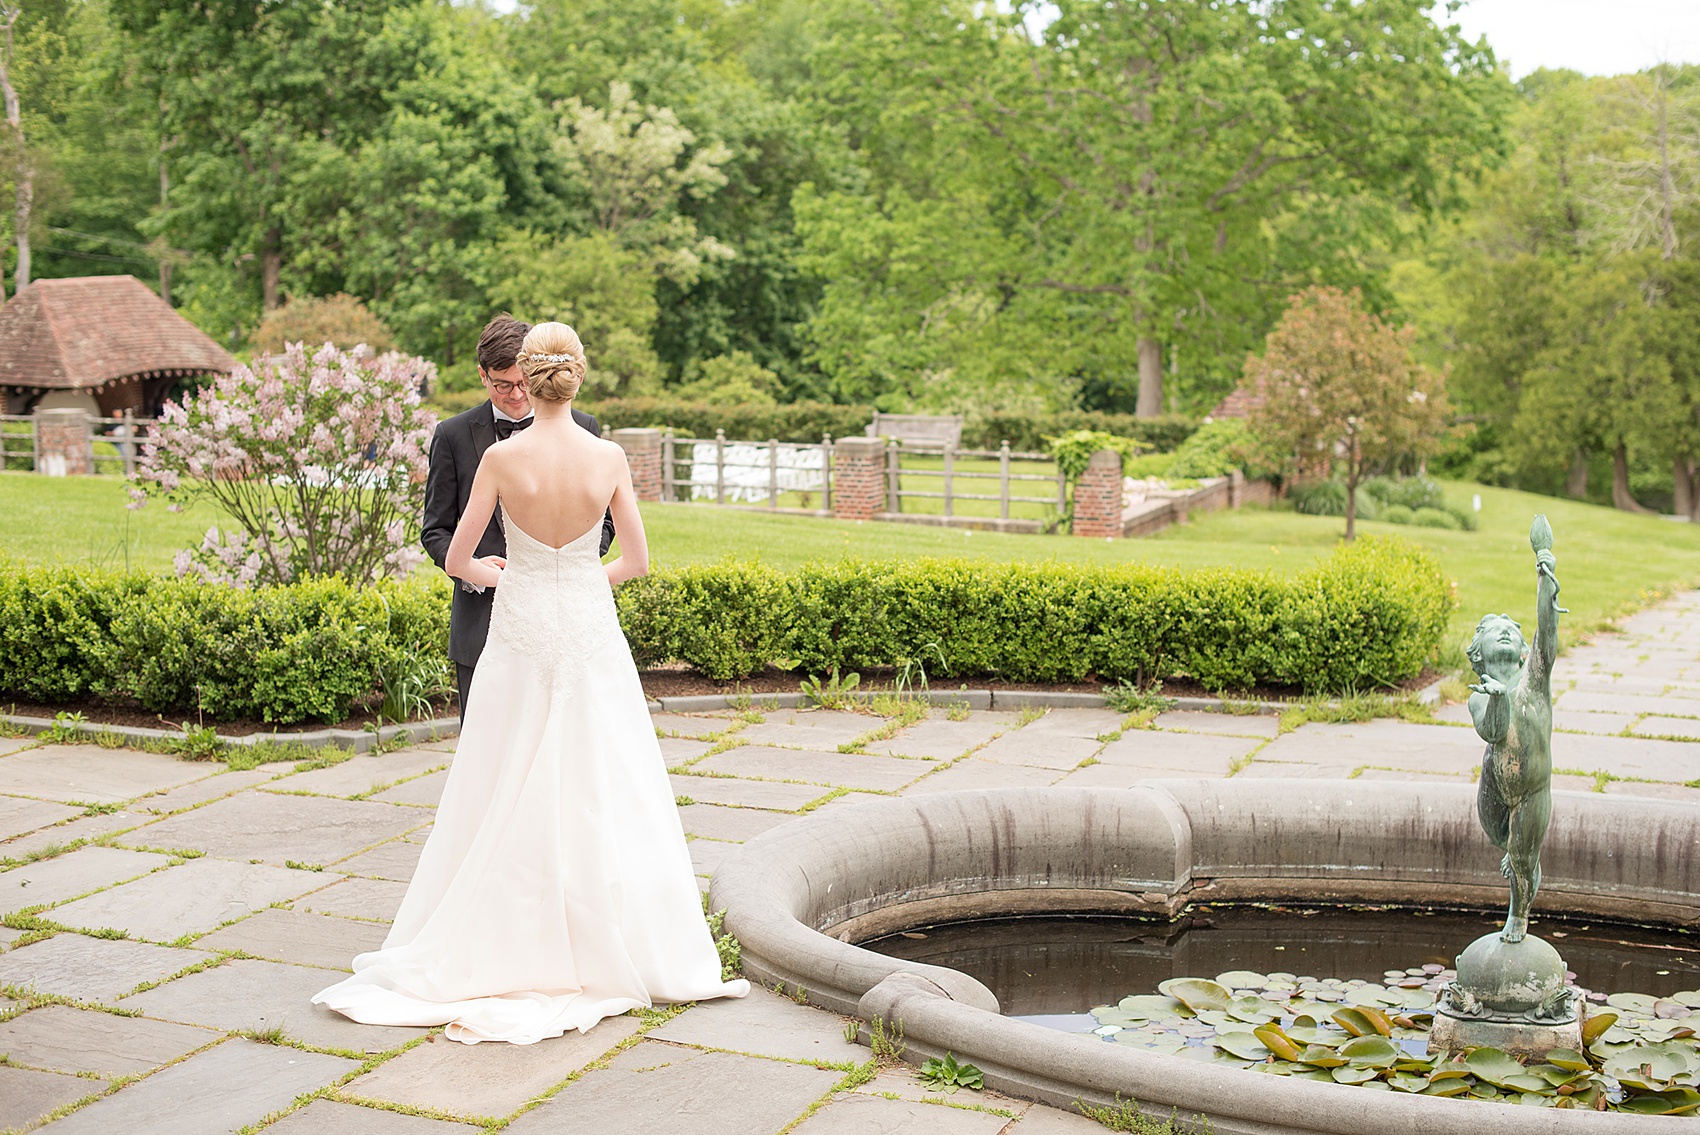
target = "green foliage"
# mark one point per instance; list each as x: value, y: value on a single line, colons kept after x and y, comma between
x: 831, y: 692
x: 1397, y: 514
x: 1366, y: 616
x: 731, y: 951
x: 1217, y: 449
x: 313, y: 320
x: 947, y: 1075
x: 1074, y: 449
x: 1408, y: 492
x: 1435, y: 518
x: 1125, y: 1116
x: 729, y: 380
x: 283, y: 654
x: 1129, y: 698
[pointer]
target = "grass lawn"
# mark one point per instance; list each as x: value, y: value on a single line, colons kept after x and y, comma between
x: 1608, y: 561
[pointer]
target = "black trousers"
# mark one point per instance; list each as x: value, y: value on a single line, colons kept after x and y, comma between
x: 463, y: 682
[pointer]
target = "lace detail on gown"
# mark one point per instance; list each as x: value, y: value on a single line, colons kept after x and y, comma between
x: 554, y: 606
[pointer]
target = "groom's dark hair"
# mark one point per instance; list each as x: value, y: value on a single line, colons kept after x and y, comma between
x: 498, y: 347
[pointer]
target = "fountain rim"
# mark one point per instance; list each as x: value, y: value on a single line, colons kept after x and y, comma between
x: 798, y: 897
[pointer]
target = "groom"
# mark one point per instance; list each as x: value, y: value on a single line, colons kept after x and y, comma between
x: 456, y: 449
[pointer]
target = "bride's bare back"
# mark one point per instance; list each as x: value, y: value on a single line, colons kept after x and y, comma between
x: 554, y: 480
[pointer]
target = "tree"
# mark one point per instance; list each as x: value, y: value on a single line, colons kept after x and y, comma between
x: 341, y: 320
x: 1339, y: 386
x: 23, y: 174
x: 1136, y: 175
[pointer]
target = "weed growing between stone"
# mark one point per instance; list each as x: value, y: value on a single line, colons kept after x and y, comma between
x: 1124, y: 1115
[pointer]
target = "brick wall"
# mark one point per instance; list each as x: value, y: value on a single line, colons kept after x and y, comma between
x: 62, y: 441
x: 1098, y: 496
x: 858, y: 477
x: 643, y: 456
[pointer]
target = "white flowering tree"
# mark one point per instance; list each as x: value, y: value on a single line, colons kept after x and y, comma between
x: 319, y: 460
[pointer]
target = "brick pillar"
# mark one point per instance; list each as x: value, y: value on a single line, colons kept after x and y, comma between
x: 1098, y: 496
x: 62, y: 443
x: 643, y: 455
x: 858, y: 477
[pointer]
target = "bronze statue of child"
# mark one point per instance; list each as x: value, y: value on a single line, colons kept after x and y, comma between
x: 1512, y: 711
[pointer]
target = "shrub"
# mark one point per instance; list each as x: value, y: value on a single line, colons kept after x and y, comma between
x: 1435, y: 518
x: 1370, y: 615
x: 1148, y: 465
x: 1217, y: 449
x: 321, y: 459
x: 1396, y: 514
x: 1411, y: 492
x: 1328, y: 498
x: 303, y: 651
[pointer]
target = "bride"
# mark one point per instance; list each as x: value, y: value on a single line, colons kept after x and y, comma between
x: 555, y: 889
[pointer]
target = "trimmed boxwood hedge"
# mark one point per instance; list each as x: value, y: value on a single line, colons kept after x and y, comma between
x: 1370, y: 615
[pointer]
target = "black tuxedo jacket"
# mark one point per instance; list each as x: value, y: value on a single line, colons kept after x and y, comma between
x: 456, y: 448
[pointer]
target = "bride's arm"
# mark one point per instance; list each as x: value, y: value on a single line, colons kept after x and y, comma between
x: 480, y: 506
x: 634, y: 546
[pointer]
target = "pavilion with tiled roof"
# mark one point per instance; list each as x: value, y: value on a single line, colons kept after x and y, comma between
x: 105, y: 339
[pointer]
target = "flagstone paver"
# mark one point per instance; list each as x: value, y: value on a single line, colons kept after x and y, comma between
x: 328, y: 1117
x: 394, y: 860
x: 972, y: 773
x: 300, y: 938
x: 96, y: 970
x: 190, y: 898
x: 676, y: 751
x: 488, y: 1080
x: 18, y: 815
x: 27, y: 1094
x: 730, y: 1066
x: 764, y: 1024
x: 93, y: 775
x: 658, y: 1087
x: 873, y: 1115
x: 278, y: 829
x: 75, y: 873
x: 13, y: 744
x: 940, y: 738
x: 212, y: 1093
x: 357, y: 898
x: 249, y: 995
x: 421, y: 792
x: 851, y: 770
x: 713, y: 821
x: 361, y: 773
x: 769, y: 794
x: 63, y: 1039
x: 824, y: 730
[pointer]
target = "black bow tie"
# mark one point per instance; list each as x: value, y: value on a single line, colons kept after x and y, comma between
x: 506, y: 428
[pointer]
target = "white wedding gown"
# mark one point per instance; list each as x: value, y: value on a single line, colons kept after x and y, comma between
x: 555, y: 888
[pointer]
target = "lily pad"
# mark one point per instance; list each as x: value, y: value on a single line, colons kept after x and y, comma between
x: 1455, y: 1087
x: 1492, y: 1065
x: 1370, y: 1051
x: 1405, y: 1082
x: 1242, y: 1045
x: 1633, y: 1002
x: 1276, y: 1041
x: 1253, y: 1009
x: 1568, y: 1059
x: 1197, y: 993
x: 1354, y: 1075
x: 1596, y: 1025
x: 1364, y: 1021
x: 1319, y: 1057
x: 1242, y: 979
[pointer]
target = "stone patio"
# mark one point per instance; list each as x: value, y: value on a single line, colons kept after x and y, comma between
x: 202, y: 908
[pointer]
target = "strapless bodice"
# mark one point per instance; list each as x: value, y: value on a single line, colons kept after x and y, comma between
x: 554, y: 605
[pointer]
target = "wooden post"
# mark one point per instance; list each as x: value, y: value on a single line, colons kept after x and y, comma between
x: 1003, y: 479
x: 826, y: 472
x: 949, y: 474
x: 772, y: 472
x: 894, y: 475
x: 128, y: 446
x: 719, y: 466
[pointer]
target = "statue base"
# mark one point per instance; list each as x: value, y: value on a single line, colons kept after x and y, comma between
x: 1510, y: 996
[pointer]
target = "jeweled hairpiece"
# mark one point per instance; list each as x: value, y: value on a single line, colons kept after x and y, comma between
x: 535, y: 358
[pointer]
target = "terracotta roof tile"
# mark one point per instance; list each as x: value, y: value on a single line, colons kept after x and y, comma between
x: 86, y: 331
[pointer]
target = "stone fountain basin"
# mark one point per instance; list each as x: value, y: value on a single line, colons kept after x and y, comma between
x: 799, y: 895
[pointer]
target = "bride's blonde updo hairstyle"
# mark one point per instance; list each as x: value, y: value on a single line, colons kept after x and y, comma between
x: 552, y: 360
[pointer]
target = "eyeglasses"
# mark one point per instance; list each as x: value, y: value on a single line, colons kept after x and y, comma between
x: 502, y: 388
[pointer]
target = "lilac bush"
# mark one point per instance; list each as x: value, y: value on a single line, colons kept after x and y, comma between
x: 318, y: 460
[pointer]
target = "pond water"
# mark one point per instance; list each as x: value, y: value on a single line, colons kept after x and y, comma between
x: 1057, y: 967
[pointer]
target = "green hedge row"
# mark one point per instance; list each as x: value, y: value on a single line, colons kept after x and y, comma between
x: 301, y: 652
x: 807, y: 421
x: 1370, y: 615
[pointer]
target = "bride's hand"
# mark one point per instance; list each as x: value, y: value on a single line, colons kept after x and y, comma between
x: 485, y: 571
